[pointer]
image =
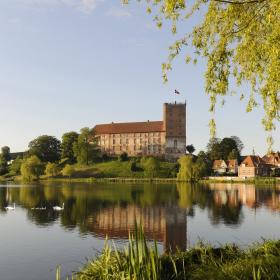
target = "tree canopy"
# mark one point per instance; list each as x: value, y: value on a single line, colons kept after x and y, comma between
x: 239, y: 40
x: 46, y: 148
x: 32, y: 168
x: 226, y: 148
x: 68, y: 140
x: 85, y: 149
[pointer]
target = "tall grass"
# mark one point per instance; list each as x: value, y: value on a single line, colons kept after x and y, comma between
x: 139, y: 261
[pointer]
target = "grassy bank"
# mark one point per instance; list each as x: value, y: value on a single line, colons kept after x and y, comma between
x: 140, y: 262
x: 256, y: 180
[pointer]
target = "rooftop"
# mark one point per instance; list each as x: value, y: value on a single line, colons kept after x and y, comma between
x: 130, y: 127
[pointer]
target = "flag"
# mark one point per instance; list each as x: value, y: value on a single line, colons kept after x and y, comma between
x: 176, y: 91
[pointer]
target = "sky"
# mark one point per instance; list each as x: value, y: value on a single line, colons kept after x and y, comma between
x: 68, y: 64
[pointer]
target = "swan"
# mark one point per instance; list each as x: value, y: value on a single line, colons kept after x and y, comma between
x: 58, y: 208
x: 10, y: 207
x: 39, y: 208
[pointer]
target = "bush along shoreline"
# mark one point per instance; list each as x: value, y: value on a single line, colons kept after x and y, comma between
x: 139, y: 261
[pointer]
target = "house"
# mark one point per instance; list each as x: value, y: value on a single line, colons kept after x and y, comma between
x: 219, y: 166
x: 232, y: 166
x: 166, y: 138
x: 225, y: 166
x: 273, y: 160
x: 253, y: 166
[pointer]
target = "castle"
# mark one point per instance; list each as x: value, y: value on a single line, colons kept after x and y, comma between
x: 166, y: 138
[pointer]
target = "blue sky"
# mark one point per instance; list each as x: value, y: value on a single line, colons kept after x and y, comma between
x: 67, y: 64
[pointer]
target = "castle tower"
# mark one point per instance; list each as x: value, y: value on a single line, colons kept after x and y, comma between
x: 174, y: 120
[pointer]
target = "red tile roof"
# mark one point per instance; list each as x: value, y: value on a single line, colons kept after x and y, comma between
x: 252, y: 161
x: 133, y: 127
x: 232, y: 163
x: 218, y: 163
x: 272, y: 158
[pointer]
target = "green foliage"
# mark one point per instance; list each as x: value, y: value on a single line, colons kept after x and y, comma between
x: 68, y: 170
x: 85, y: 149
x: 151, y: 167
x: 191, y: 170
x: 5, y: 154
x: 5, y: 157
x: 233, y: 154
x: 141, y: 261
x: 68, y: 140
x: 138, y: 261
x: 123, y: 156
x: 14, y: 168
x: 225, y: 148
x: 46, y: 148
x: 190, y: 149
x: 240, y: 41
x: 186, y: 168
x: 32, y: 168
x: 52, y: 169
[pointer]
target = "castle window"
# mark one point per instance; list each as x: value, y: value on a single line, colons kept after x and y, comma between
x: 175, y: 143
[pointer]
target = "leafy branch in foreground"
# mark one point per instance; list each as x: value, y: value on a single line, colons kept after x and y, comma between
x: 240, y: 40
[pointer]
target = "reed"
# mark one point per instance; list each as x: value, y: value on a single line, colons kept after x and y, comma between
x: 139, y: 261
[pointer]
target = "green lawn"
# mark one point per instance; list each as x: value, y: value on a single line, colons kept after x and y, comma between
x: 121, y: 169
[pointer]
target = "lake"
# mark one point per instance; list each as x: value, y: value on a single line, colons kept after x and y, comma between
x: 34, y: 242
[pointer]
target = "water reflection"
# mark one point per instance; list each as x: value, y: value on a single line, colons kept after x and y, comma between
x: 110, y: 210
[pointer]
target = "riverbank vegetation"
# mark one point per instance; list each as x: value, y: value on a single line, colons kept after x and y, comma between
x: 140, y: 260
x: 77, y: 156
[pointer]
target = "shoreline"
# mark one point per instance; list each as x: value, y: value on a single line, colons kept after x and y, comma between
x: 206, y: 180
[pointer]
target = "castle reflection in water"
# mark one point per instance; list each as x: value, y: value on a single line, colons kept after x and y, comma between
x: 163, y: 210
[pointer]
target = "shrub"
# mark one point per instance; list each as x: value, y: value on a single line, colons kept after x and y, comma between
x: 151, y: 167
x: 51, y: 169
x: 68, y: 170
x: 32, y: 168
x: 133, y: 166
x: 123, y: 157
x: 14, y: 168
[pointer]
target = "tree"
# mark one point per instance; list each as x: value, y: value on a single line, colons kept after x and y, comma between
x: 190, y: 149
x: 234, y: 154
x: 226, y: 146
x: 52, y: 169
x: 5, y: 157
x: 14, y: 168
x: 85, y: 149
x: 151, y: 167
x: 191, y: 170
x: 46, y: 148
x: 239, y: 143
x: 68, y: 140
x: 32, y: 168
x: 5, y: 153
x: 220, y: 149
x: 214, y: 149
x: 68, y: 170
x: 186, y: 168
x: 239, y: 40
x: 203, y: 157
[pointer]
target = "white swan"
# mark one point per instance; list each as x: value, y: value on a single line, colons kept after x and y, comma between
x: 10, y: 207
x: 39, y: 208
x: 58, y: 208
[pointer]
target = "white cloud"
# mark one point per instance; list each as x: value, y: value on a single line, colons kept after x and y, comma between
x: 119, y: 12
